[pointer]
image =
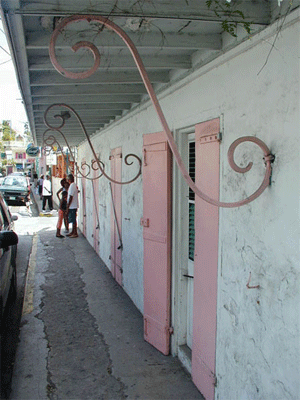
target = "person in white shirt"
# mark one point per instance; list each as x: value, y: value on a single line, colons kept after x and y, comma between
x: 47, y: 193
x: 72, y: 206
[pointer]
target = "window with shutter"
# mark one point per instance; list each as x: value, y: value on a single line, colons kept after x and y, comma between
x: 191, y: 201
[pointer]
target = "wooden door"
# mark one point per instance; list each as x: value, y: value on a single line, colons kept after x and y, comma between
x: 157, y: 240
x: 96, y: 217
x: 83, y: 202
x: 116, y: 215
x: 206, y: 258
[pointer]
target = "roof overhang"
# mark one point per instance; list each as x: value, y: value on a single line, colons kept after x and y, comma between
x: 172, y: 38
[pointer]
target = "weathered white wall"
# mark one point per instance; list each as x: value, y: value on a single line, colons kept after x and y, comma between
x: 258, y: 329
x: 129, y: 136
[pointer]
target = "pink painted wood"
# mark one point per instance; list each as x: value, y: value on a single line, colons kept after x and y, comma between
x: 177, y: 157
x: 116, y: 223
x: 96, y: 227
x: 206, y: 260
x: 83, y: 199
x: 157, y: 240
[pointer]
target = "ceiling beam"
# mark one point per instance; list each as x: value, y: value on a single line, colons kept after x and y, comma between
x: 89, y: 119
x: 87, y: 99
x: 91, y: 106
x: 142, y: 40
x: 254, y: 11
x: 96, y: 89
x: 87, y: 125
x: 51, y: 78
x: 91, y: 113
x: 113, y: 62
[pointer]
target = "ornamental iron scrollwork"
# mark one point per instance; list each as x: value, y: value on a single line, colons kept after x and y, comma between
x: 96, y: 163
x: 268, y: 157
x: 50, y: 143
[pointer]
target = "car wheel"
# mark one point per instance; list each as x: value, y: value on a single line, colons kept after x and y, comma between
x: 13, y: 286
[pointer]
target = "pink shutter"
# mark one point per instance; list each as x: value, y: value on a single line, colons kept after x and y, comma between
x: 96, y: 226
x: 206, y: 258
x: 83, y: 205
x: 157, y: 240
x: 116, y: 216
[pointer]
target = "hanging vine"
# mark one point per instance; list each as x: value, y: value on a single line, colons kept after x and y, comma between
x: 229, y: 16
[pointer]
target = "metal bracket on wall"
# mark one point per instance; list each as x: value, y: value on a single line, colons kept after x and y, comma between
x: 96, y: 163
x: 169, y: 136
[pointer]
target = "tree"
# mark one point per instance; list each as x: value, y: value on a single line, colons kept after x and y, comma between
x: 26, y: 129
x: 8, y: 134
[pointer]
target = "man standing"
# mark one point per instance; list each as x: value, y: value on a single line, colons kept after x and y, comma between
x: 47, y: 193
x: 72, y: 205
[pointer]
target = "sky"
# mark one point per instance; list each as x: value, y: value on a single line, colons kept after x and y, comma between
x: 11, y: 107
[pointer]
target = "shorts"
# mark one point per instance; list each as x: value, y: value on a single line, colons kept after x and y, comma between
x: 72, y: 215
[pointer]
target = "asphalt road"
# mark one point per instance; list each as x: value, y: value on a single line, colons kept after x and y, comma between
x: 24, y: 227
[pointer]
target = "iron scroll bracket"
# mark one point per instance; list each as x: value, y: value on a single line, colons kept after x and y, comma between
x: 62, y: 117
x: 176, y: 155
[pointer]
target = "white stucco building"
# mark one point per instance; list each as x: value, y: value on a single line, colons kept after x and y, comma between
x: 218, y: 287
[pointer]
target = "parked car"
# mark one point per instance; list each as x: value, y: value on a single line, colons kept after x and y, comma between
x: 17, y: 174
x: 15, y: 189
x: 8, y: 252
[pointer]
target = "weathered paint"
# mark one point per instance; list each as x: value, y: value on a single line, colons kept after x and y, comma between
x: 83, y: 210
x: 206, y: 260
x: 257, y: 342
x: 96, y: 227
x: 156, y: 224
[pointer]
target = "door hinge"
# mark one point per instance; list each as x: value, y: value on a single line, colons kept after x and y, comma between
x: 171, y: 330
x: 145, y: 156
x: 145, y: 222
x: 188, y: 276
x: 215, y: 137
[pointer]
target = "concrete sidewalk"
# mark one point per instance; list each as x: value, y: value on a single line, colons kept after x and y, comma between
x: 81, y: 336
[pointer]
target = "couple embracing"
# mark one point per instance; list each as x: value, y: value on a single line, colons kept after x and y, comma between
x: 68, y: 204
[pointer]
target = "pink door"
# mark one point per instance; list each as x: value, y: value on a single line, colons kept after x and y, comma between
x: 206, y: 258
x: 116, y: 215
x: 83, y: 202
x: 96, y: 217
x: 157, y: 240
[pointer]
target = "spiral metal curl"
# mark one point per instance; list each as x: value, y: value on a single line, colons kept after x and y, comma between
x: 110, y: 25
x: 63, y: 117
x: 48, y: 145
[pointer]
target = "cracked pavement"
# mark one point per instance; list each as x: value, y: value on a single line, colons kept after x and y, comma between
x: 83, y: 337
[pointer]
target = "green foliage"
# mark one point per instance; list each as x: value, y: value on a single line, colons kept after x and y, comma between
x: 229, y: 16
x: 26, y: 129
x: 8, y: 162
x: 8, y: 134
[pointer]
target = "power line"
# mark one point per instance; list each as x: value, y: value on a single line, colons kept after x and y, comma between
x: 4, y: 50
x: 5, y: 62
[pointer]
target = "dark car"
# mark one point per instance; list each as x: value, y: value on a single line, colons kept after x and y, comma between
x: 15, y: 189
x: 8, y: 252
